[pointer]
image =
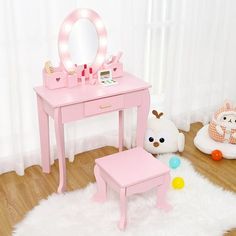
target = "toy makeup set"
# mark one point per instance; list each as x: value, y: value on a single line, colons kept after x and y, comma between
x: 71, y: 73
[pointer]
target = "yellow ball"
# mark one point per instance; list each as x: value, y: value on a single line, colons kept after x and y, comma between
x: 178, y: 183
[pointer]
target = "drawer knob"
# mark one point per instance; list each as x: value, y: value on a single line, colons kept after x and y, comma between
x: 104, y: 106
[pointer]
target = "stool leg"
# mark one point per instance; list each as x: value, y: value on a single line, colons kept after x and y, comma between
x: 161, y: 194
x: 123, y: 209
x: 101, y: 194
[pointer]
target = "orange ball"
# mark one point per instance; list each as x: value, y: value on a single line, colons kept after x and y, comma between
x: 216, y: 155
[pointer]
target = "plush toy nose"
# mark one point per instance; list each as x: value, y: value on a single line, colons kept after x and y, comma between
x: 155, y: 144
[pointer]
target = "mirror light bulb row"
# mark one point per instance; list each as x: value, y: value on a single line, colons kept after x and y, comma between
x: 65, y: 32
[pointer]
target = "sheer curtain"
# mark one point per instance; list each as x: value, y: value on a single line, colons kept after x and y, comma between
x: 185, y: 48
x: 190, y: 56
x: 28, y: 38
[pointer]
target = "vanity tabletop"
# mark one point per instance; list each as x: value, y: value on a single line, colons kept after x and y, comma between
x: 83, y: 93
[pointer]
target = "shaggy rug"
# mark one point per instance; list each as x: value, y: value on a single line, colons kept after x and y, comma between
x: 200, y: 208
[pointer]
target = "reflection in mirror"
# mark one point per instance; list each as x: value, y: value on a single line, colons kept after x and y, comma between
x: 83, y: 42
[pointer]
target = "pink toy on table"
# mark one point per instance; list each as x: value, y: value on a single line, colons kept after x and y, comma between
x: 114, y: 65
x: 55, y: 79
x: 130, y: 172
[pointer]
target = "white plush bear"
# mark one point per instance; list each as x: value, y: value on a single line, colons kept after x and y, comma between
x: 162, y: 136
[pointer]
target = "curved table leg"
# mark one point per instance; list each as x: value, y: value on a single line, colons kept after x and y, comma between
x: 44, y: 136
x: 101, y: 194
x: 59, y: 130
x: 142, y: 114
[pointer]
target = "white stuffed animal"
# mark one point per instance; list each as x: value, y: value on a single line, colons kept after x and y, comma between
x: 162, y: 136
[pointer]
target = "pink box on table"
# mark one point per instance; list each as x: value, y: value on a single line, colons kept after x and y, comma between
x: 114, y: 65
x: 117, y: 70
x: 72, y: 80
x: 54, y: 80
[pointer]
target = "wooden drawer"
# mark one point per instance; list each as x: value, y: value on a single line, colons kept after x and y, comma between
x: 103, y: 105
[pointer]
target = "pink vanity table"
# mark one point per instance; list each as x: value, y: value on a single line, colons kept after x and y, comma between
x: 70, y: 104
x: 72, y: 90
x: 76, y: 89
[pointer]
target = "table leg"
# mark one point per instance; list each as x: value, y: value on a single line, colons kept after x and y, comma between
x: 121, y: 130
x: 142, y: 116
x: 59, y: 130
x: 123, y: 209
x: 44, y: 136
x: 101, y: 194
x: 161, y: 194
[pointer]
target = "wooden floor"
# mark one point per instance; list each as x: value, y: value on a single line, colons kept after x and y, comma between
x: 19, y: 194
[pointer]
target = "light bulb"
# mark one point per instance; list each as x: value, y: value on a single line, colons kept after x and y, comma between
x: 67, y: 27
x: 84, y: 13
x: 103, y: 41
x: 68, y: 64
x: 63, y: 47
x: 99, y: 24
x: 100, y: 59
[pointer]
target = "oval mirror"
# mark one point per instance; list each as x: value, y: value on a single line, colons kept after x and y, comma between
x: 82, y: 40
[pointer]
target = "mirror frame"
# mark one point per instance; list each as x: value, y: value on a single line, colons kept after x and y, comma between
x: 64, y: 35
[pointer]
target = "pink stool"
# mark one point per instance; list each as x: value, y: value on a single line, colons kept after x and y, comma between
x: 129, y: 172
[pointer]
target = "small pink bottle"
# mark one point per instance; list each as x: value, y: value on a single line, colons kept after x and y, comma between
x: 90, y: 75
x: 83, y: 77
x: 91, y: 79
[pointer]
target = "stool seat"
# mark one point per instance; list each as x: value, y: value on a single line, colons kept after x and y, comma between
x: 130, y: 172
x: 131, y: 166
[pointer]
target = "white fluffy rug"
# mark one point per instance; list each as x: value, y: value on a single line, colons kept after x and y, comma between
x: 199, y: 209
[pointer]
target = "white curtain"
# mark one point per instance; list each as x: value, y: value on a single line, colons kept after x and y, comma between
x: 190, y: 57
x: 28, y: 38
x: 185, y: 48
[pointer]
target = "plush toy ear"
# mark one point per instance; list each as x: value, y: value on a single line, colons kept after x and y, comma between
x: 228, y: 105
x: 158, y: 115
